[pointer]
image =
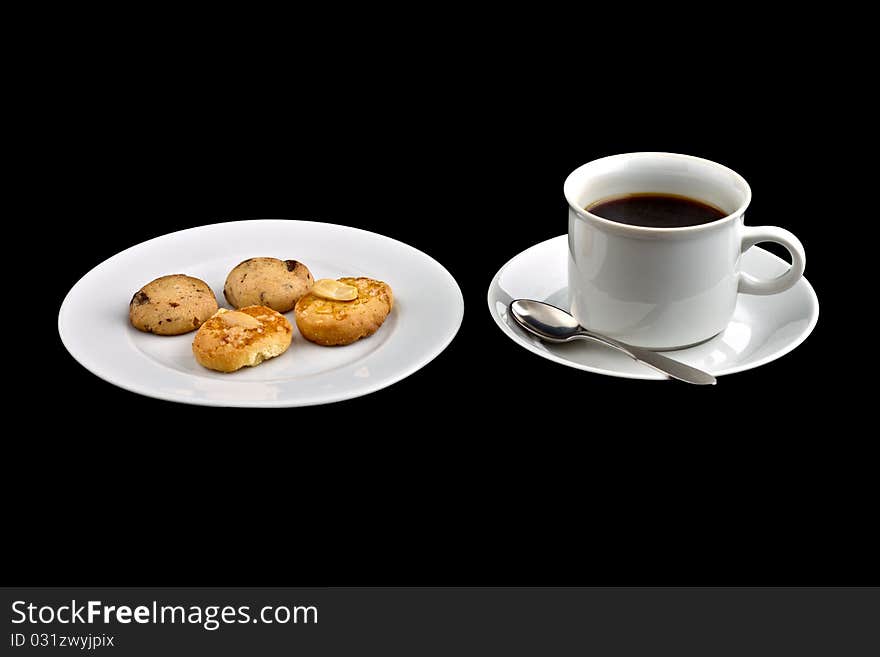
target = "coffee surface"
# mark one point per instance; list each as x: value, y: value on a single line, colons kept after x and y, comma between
x: 656, y: 210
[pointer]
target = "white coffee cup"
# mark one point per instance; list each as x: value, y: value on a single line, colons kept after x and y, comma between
x: 664, y: 288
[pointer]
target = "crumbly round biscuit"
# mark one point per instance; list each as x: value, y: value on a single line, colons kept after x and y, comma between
x: 228, y: 345
x: 269, y: 282
x: 171, y: 305
x: 330, y: 323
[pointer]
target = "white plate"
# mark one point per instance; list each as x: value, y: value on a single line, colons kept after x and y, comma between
x: 428, y: 310
x: 763, y: 328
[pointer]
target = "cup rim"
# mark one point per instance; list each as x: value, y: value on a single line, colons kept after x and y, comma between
x: 585, y: 214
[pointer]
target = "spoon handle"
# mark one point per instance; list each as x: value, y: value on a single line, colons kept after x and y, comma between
x: 653, y: 359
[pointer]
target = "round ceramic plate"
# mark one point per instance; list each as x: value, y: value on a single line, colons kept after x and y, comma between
x: 428, y: 310
x: 763, y: 328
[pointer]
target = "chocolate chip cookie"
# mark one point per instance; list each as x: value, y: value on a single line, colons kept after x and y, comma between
x: 171, y: 305
x: 278, y: 284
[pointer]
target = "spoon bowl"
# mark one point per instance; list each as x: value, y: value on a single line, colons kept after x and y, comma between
x: 547, y: 322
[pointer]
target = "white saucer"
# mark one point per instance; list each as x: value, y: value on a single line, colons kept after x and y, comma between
x: 763, y: 328
x: 428, y: 308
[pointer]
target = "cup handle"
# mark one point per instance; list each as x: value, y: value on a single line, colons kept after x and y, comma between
x: 753, y: 235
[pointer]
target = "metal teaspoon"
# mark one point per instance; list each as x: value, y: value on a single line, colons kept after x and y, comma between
x: 555, y: 325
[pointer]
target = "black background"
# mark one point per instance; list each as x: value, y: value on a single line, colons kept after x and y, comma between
x: 490, y: 465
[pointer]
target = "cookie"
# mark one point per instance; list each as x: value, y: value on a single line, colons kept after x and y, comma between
x: 233, y: 339
x: 171, y: 305
x: 269, y: 282
x: 330, y: 322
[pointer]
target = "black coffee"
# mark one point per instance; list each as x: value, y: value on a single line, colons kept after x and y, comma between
x: 656, y: 210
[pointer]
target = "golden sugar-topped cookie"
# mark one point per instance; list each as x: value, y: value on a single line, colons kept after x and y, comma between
x: 233, y: 339
x: 326, y: 319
